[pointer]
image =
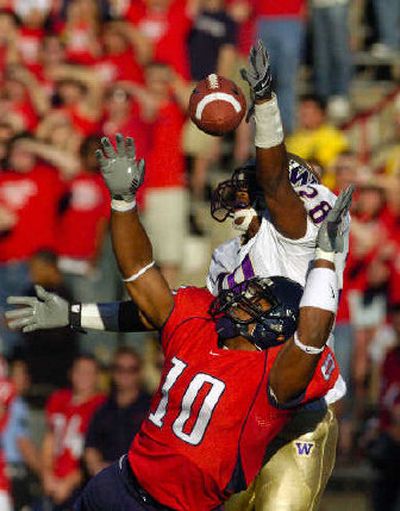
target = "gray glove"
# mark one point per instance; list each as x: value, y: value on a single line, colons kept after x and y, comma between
x: 121, y: 172
x: 46, y: 311
x: 331, y: 234
x: 258, y: 75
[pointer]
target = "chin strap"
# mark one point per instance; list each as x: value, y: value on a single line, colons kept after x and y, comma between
x: 246, y: 215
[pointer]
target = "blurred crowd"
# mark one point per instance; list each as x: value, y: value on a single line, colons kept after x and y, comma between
x: 72, y: 71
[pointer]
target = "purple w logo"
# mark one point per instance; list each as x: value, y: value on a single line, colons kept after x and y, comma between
x: 304, y: 448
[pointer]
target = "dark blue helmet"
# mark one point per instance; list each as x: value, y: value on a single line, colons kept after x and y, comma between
x: 271, y: 303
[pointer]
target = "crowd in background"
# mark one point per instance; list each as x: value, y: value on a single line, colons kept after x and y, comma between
x: 72, y: 71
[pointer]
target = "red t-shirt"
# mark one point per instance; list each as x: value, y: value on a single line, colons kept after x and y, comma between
x: 88, y: 206
x: 165, y: 163
x: 69, y: 422
x: 28, y: 44
x: 168, y: 31
x: 34, y: 198
x: 122, y: 66
x: 212, y: 417
x: 132, y: 126
x: 286, y: 8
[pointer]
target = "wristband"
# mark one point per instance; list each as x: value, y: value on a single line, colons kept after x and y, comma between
x: 327, y: 256
x: 321, y: 290
x: 269, y: 130
x: 141, y: 272
x: 310, y: 350
x: 90, y: 317
x: 121, y: 205
x: 75, y: 317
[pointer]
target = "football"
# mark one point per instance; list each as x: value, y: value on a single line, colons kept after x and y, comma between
x: 217, y: 105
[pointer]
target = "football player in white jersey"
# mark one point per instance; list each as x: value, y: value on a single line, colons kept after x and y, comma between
x: 278, y: 205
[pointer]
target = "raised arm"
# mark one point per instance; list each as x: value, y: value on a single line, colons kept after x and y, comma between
x: 285, y: 206
x: 295, y: 365
x: 133, y: 251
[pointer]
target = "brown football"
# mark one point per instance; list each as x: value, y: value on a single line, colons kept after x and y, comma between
x: 217, y: 105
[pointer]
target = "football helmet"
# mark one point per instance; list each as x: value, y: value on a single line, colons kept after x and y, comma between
x: 242, y: 191
x: 262, y: 310
x: 239, y: 192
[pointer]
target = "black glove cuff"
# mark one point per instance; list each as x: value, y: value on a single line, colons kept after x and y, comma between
x: 75, y: 310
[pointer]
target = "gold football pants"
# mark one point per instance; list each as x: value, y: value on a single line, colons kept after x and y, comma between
x: 299, y: 463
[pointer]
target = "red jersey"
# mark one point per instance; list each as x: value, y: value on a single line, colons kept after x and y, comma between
x: 120, y: 66
x: 288, y: 8
x: 212, y: 416
x: 168, y: 31
x: 79, y: 226
x: 69, y: 422
x: 165, y: 162
x: 33, y: 197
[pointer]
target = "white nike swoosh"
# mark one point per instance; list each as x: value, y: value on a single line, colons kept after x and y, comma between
x: 214, y: 354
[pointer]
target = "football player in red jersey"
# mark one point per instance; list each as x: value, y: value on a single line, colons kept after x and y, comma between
x: 68, y: 413
x: 229, y: 382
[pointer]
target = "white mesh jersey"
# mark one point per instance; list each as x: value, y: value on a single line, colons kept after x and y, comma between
x: 269, y: 253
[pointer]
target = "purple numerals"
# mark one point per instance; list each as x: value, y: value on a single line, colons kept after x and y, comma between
x: 245, y: 268
x: 321, y: 210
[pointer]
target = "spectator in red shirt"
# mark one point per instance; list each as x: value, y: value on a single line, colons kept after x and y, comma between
x: 124, y: 115
x: 30, y: 192
x: 81, y: 31
x: 68, y: 413
x: 281, y: 27
x: 166, y: 23
x: 51, y: 56
x: 33, y: 15
x: 164, y: 193
x: 8, y: 39
x: 125, y: 51
x: 80, y: 95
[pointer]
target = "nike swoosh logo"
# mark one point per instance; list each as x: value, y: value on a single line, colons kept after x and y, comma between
x: 214, y: 354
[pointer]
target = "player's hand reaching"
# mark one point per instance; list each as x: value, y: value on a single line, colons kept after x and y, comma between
x: 45, y: 311
x: 258, y: 74
x: 332, y: 232
x: 121, y: 171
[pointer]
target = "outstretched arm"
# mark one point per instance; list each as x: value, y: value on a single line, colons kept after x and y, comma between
x: 271, y: 156
x: 48, y: 310
x: 133, y: 251
x: 295, y: 365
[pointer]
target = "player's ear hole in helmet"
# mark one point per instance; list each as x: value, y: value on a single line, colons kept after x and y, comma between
x: 271, y: 304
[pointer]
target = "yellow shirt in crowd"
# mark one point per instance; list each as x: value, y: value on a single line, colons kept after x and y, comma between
x: 322, y: 144
x: 392, y: 166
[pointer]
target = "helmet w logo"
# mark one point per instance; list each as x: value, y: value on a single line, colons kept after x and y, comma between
x: 304, y: 448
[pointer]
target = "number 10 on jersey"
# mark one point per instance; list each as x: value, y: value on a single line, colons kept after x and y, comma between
x: 215, y: 390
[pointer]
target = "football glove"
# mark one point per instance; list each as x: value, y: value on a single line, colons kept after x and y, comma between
x: 258, y: 74
x: 45, y: 311
x: 121, y: 171
x: 332, y: 232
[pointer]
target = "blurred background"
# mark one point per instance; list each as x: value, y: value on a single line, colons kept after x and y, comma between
x: 74, y: 70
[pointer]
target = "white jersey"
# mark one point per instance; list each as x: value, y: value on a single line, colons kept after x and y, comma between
x: 269, y: 253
